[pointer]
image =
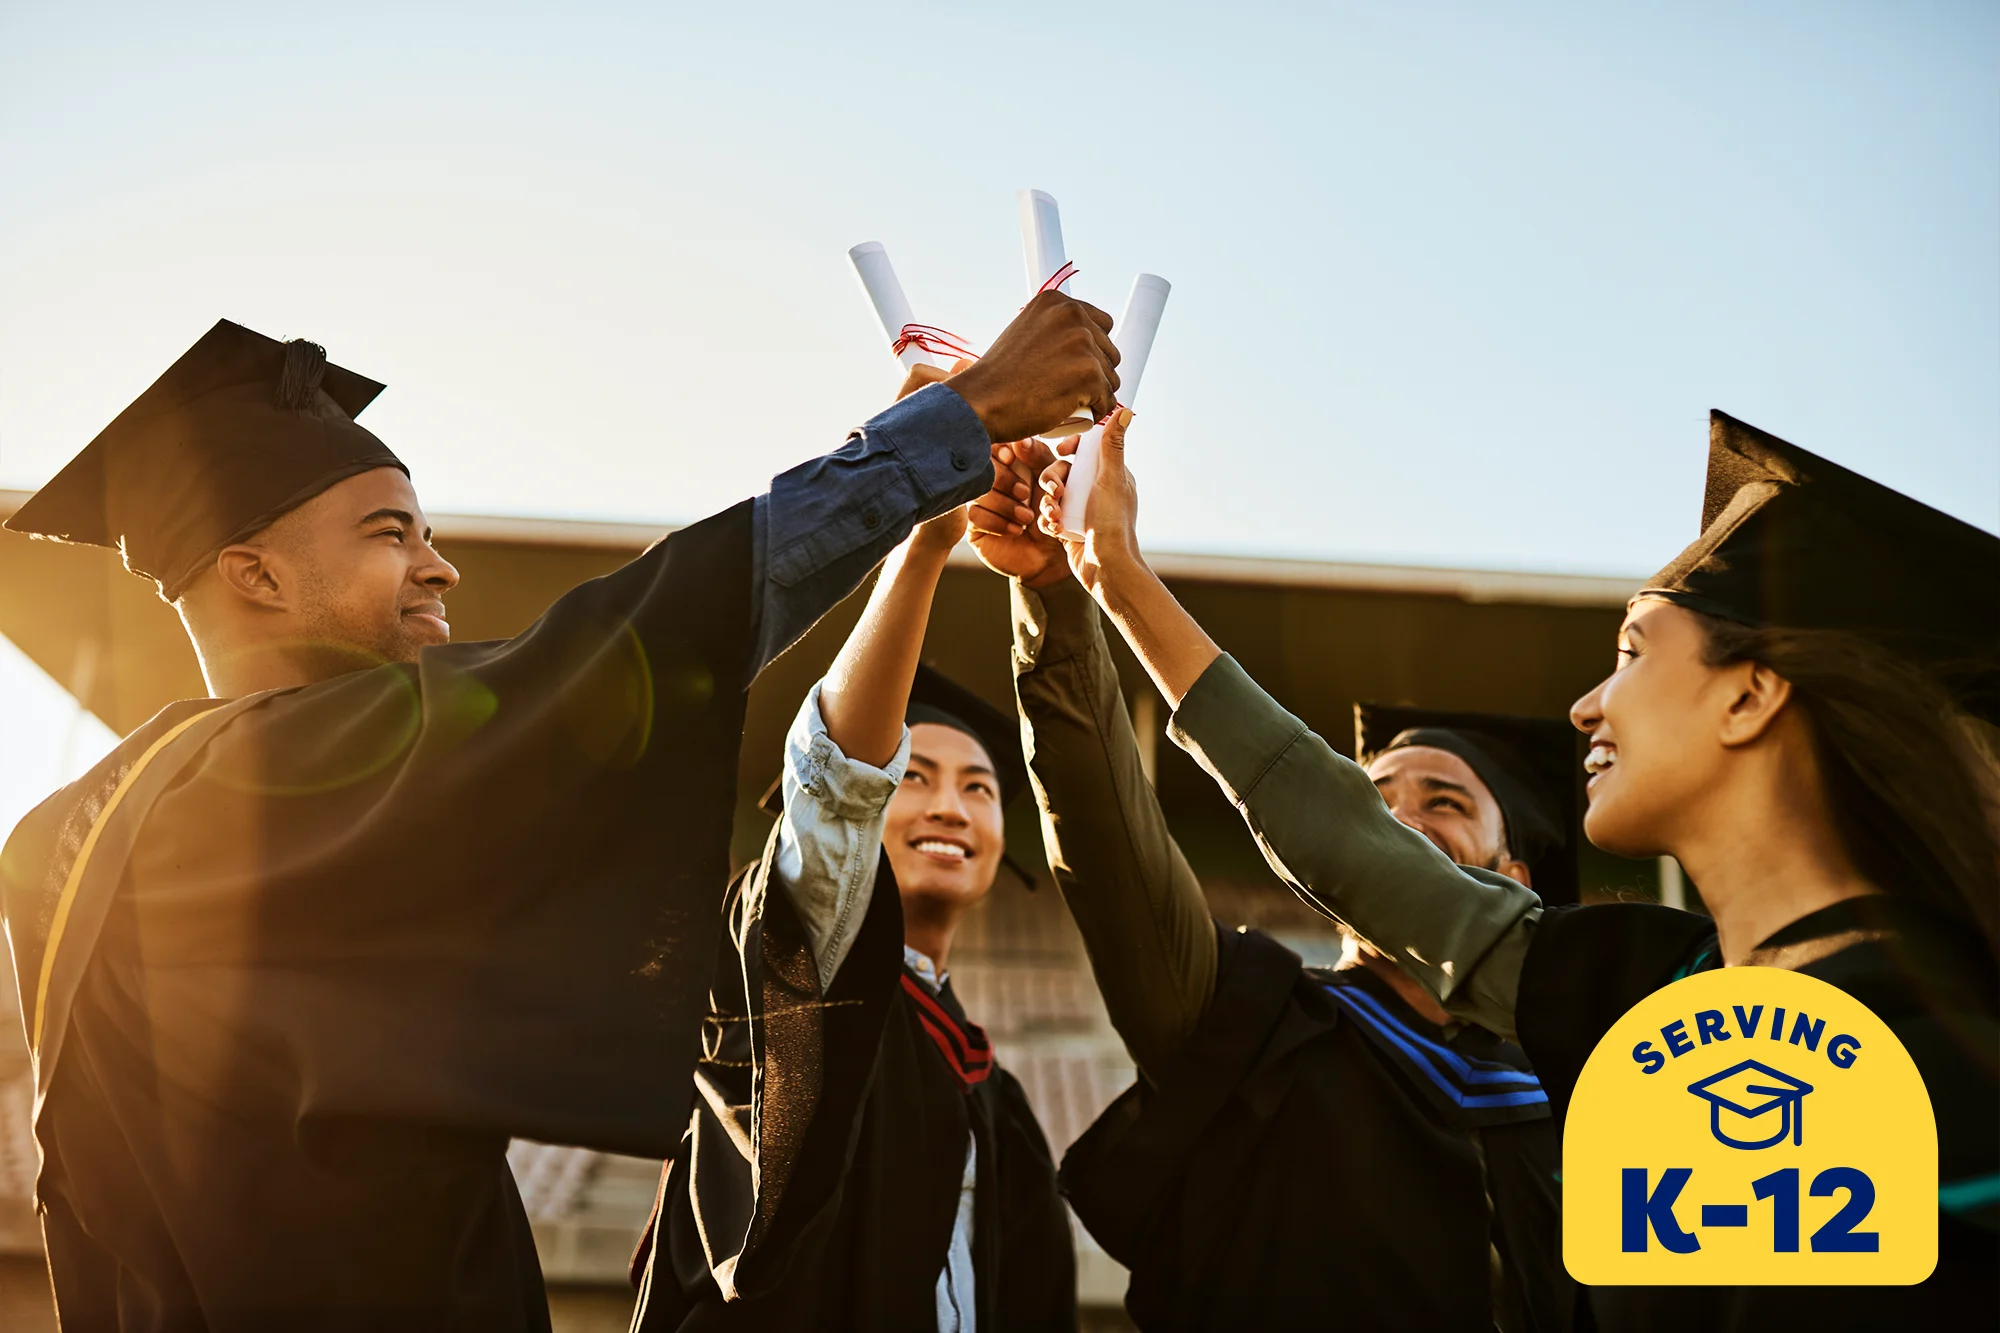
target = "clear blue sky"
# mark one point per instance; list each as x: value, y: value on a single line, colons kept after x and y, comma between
x: 1454, y: 284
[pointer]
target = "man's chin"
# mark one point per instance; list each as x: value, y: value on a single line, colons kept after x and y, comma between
x: 955, y: 888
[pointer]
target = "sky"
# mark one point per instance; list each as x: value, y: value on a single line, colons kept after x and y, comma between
x: 1453, y: 284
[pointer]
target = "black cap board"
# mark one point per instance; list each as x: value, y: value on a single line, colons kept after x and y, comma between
x: 1532, y: 765
x: 1790, y: 540
x: 239, y: 430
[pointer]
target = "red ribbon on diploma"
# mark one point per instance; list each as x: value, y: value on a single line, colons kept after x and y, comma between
x: 1057, y: 278
x: 936, y: 341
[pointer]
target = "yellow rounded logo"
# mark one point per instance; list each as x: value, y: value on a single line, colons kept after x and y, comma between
x: 1750, y: 1126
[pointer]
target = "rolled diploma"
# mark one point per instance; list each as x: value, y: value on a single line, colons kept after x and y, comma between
x: 1041, y: 239
x: 1043, y: 256
x: 1133, y: 335
x: 885, y: 293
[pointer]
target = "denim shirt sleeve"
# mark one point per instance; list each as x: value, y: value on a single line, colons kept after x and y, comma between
x: 825, y: 523
x: 830, y: 836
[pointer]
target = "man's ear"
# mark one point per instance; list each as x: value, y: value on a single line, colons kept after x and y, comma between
x: 1758, y: 697
x: 1517, y: 871
x: 256, y: 574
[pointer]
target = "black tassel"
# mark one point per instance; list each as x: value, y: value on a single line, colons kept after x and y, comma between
x: 305, y: 366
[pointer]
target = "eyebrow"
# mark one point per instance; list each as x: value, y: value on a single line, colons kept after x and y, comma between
x: 928, y: 762
x: 403, y: 516
x: 1432, y: 784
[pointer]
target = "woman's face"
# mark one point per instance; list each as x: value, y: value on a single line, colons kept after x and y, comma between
x: 1656, y: 728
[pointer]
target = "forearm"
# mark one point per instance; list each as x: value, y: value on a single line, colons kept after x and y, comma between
x: 1321, y: 824
x: 824, y: 524
x: 867, y: 689
x: 1144, y: 921
x: 1169, y: 643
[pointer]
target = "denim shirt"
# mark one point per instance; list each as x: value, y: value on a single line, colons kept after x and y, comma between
x: 825, y: 523
x: 830, y: 840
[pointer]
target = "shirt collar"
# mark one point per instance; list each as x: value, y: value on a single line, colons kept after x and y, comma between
x: 926, y: 970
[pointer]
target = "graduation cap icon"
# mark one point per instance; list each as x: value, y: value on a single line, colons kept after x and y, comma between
x: 1748, y: 1091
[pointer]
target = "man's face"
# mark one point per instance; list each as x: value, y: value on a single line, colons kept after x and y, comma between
x: 357, y: 571
x: 944, y: 832
x: 1436, y: 793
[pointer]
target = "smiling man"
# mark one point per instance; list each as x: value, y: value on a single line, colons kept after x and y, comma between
x: 1487, y: 790
x: 298, y: 959
x: 920, y: 1192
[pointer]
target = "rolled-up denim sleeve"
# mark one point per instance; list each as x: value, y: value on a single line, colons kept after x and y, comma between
x: 830, y: 838
x: 1462, y: 932
x: 825, y: 523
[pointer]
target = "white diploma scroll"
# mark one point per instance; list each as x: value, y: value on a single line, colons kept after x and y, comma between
x: 1041, y: 239
x: 885, y: 293
x: 1133, y: 335
x: 1042, y: 255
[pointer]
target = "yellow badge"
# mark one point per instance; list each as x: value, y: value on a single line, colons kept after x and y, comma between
x: 1750, y: 1126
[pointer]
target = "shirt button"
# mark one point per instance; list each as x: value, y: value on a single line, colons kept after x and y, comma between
x: 960, y: 461
x: 870, y: 519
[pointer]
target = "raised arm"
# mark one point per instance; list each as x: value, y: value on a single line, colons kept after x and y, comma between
x: 848, y: 749
x: 1318, y: 819
x: 1139, y: 907
x: 825, y: 523
x: 1144, y: 921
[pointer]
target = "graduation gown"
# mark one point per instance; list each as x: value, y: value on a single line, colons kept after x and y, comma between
x: 331, y: 947
x: 1929, y: 980
x: 819, y: 1181
x: 1319, y: 1156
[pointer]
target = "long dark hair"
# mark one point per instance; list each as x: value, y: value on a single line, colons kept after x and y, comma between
x: 1910, y: 777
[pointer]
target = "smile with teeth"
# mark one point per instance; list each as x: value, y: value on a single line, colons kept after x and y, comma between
x: 955, y: 851
x: 1601, y: 760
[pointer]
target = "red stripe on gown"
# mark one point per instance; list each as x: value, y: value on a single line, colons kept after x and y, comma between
x: 966, y: 1051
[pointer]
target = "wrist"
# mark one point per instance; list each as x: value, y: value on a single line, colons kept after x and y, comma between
x: 972, y: 385
x: 923, y: 553
x: 1057, y: 571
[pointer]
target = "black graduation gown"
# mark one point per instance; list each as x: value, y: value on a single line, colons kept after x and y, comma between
x: 337, y: 944
x: 856, y: 1106
x: 1320, y: 1156
x: 1929, y: 980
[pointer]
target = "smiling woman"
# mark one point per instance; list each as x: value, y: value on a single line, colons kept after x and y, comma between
x: 1798, y: 717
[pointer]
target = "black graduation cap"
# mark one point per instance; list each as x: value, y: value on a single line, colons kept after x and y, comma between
x: 1790, y: 540
x: 1532, y: 765
x: 239, y: 430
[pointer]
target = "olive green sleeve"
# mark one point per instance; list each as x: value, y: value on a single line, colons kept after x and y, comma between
x: 1323, y: 827
x: 1144, y: 920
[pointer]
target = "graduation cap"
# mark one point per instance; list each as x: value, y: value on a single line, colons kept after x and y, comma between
x: 1790, y: 540
x: 1532, y: 765
x: 1748, y: 1092
x: 239, y: 430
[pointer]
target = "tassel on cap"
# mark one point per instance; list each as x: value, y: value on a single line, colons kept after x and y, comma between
x: 305, y: 366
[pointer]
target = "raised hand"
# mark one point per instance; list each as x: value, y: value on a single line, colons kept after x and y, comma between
x: 1055, y: 359
x: 1004, y: 533
x: 1109, y: 528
